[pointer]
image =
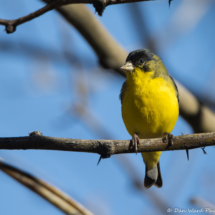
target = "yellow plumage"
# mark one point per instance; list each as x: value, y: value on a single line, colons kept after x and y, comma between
x: 149, y: 101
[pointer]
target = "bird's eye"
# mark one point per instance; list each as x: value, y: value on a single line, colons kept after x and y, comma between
x: 141, y: 61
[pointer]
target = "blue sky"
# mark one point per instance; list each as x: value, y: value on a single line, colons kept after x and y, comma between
x: 36, y: 94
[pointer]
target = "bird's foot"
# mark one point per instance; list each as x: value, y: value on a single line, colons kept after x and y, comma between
x: 168, y: 138
x: 135, y: 142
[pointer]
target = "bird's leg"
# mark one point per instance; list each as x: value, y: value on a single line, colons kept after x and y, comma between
x: 168, y: 138
x: 135, y: 142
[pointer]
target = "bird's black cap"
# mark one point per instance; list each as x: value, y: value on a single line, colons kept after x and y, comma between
x: 136, y: 55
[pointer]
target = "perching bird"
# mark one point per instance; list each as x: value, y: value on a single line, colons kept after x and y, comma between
x: 150, y: 106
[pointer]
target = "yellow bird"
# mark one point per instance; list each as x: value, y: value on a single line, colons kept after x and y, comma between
x: 150, y: 106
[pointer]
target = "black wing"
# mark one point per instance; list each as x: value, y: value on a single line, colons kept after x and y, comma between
x: 176, y: 88
x: 122, y: 91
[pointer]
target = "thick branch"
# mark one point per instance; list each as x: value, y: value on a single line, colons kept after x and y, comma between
x: 106, y: 148
x: 10, y: 25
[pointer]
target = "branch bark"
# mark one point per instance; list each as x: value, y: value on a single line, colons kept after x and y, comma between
x: 55, y: 196
x: 106, y: 148
x: 10, y: 25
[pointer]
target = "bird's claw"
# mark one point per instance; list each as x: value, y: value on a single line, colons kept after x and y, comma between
x: 168, y: 138
x: 135, y: 142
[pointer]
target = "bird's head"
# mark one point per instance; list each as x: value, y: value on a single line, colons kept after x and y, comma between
x: 145, y: 61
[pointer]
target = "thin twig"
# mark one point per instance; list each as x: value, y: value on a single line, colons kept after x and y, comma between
x: 55, y: 196
x: 106, y: 148
x: 10, y: 25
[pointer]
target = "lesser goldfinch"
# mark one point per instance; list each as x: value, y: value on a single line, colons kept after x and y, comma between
x: 150, y: 106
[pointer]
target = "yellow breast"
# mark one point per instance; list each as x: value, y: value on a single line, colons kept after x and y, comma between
x: 150, y: 105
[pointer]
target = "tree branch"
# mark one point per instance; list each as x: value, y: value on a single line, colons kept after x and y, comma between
x: 105, y: 148
x: 202, y: 203
x: 10, y: 25
x: 55, y: 196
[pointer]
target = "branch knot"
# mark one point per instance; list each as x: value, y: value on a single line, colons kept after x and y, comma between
x: 105, y: 149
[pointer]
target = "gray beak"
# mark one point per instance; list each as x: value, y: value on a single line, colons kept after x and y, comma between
x: 128, y: 66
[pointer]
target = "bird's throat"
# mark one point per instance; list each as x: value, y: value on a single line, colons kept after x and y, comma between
x: 138, y: 77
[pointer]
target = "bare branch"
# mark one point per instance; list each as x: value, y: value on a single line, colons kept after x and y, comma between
x: 55, y: 196
x: 202, y: 203
x: 10, y: 25
x: 105, y: 148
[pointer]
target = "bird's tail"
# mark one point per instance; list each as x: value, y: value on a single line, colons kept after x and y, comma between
x: 153, y: 177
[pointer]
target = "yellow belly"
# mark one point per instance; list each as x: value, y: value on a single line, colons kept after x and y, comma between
x: 149, y: 109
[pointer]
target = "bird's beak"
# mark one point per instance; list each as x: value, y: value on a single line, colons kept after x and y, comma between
x: 128, y: 66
